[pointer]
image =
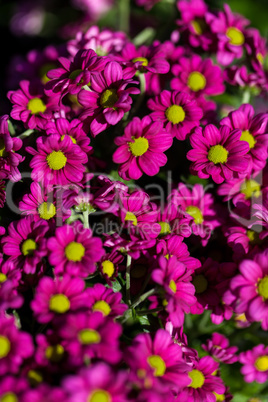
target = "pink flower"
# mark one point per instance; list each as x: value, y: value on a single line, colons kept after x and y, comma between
x: 200, y: 206
x: 57, y: 161
x: 74, y: 250
x: 71, y: 128
x: 26, y: 243
x: 54, y: 298
x: 218, y: 347
x: 74, y: 74
x: 218, y: 153
x: 254, y: 132
x: 108, y: 100
x: 15, y: 346
x: 9, y: 283
x: 250, y: 289
x: 103, y: 41
x: 255, y: 364
x: 197, y: 77
x: 204, y: 383
x: 90, y: 336
x: 177, y: 111
x: 9, y: 159
x: 141, y: 148
x: 174, y: 278
x: 31, y: 106
x: 229, y: 29
x: 157, y: 362
x: 106, y: 301
x: 99, y: 382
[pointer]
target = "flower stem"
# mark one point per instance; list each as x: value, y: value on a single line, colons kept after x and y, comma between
x: 143, y: 297
x: 25, y: 134
x: 128, y: 280
x: 124, y: 12
x: 85, y: 216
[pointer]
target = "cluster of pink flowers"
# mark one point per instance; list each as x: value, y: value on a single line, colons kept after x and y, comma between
x: 102, y: 269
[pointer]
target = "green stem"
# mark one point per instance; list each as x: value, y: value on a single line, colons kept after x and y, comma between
x: 86, y: 223
x: 26, y: 133
x: 128, y: 280
x: 143, y: 297
x: 141, y: 95
x: 124, y: 12
x: 145, y: 312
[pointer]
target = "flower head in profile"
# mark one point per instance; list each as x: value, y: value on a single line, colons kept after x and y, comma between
x: 218, y: 347
x: 74, y: 251
x: 57, y: 161
x: 178, y: 112
x: 218, y: 153
x: 108, y: 100
x: 141, y: 148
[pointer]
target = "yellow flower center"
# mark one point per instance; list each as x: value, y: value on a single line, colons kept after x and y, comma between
x: 59, y: 303
x: 196, y: 214
x: 108, y: 268
x: 157, y: 363
x: 235, y: 36
x: 43, y: 72
x: 4, y: 346
x: 132, y: 218
x: 217, y: 154
x: 89, y: 336
x: 263, y: 287
x: 34, y: 377
x: 172, y: 285
x: 196, y: 81
x: 200, y: 283
x: 36, y: 105
x: 72, y: 138
x: 198, y: 25
x: 102, y: 306
x: 250, y: 188
x: 47, y: 210
x: 54, y: 353
x: 2, y: 148
x: 28, y: 247
x: 139, y: 146
x: 261, y: 363
x: 219, y: 398
x: 108, y: 98
x: 8, y: 397
x: 246, y: 136
x: 99, y: 396
x: 165, y: 228
x: 74, y: 251
x: 260, y: 58
x: 253, y: 237
x: 3, y: 277
x: 144, y: 61
x: 197, y: 378
x: 175, y: 114
x: 56, y: 160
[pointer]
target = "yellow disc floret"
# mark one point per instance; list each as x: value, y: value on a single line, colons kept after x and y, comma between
x: 59, y: 303
x: 235, y: 36
x: 197, y: 378
x: 108, y: 268
x: 54, y: 353
x: 196, y: 81
x: 47, y: 210
x: 28, y: 247
x: 4, y: 346
x: 261, y: 363
x: 143, y: 60
x: 165, y: 228
x: 250, y: 188
x: 158, y: 364
x: 108, y: 98
x: 175, y: 114
x: 74, y: 251
x: 3, y: 277
x: 99, y: 395
x: 195, y: 213
x: 248, y: 137
x: 263, y: 287
x: 172, y: 286
x: 217, y: 154
x: 102, y: 306
x: 36, y: 105
x: 56, y: 160
x: 8, y: 397
x: 131, y: 217
x: 89, y: 336
x: 2, y: 148
x: 139, y: 146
